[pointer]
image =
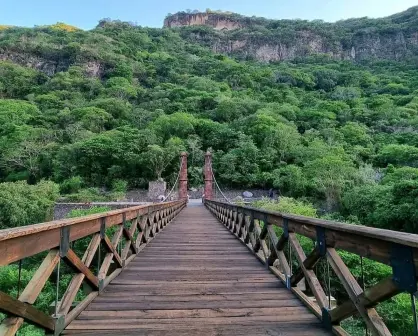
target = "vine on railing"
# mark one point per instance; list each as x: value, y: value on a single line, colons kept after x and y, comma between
x: 258, y: 230
x: 103, y: 260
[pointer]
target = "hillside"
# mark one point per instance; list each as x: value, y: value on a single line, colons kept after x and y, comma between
x: 113, y: 106
x: 392, y: 38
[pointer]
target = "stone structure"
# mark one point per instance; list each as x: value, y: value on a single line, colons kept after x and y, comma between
x: 208, y: 176
x: 155, y: 189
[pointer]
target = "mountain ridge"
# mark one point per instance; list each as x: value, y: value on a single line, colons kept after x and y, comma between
x: 391, y: 38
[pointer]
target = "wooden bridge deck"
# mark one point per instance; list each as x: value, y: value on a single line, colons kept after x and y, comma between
x: 196, y: 278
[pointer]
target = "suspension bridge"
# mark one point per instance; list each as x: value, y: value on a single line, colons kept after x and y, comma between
x: 214, y: 268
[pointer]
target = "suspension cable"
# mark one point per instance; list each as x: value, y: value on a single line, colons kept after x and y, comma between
x: 217, y: 185
x: 175, y: 183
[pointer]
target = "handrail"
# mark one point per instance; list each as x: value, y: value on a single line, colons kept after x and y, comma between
x: 255, y: 228
x: 34, y: 228
x: 133, y: 229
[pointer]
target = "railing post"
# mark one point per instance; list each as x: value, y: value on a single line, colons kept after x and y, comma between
x: 208, y: 176
x: 183, y: 177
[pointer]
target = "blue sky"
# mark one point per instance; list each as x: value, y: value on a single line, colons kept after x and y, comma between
x: 86, y: 13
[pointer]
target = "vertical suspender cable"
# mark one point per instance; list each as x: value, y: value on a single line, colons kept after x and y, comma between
x: 329, y: 286
x: 57, y: 287
x: 363, y: 284
x: 20, y: 279
x: 99, y: 252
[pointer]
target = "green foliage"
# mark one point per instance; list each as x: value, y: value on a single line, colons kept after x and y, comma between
x: 88, y: 195
x: 288, y: 205
x: 126, y: 100
x: 85, y: 212
x: 71, y: 185
x: 23, y: 204
x: 400, y: 155
x: 120, y: 186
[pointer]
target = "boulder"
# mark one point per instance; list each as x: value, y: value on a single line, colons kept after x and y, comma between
x: 247, y: 194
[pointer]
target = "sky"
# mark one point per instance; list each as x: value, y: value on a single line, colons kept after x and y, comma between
x: 86, y: 13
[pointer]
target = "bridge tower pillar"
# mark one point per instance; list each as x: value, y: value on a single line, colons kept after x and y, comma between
x: 183, y: 176
x: 208, y: 176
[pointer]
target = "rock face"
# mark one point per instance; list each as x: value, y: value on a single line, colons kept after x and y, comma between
x: 392, y: 38
x: 50, y: 66
x: 201, y: 19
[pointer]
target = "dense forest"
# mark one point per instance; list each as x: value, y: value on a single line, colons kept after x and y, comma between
x: 122, y: 101
x: 111, y: 108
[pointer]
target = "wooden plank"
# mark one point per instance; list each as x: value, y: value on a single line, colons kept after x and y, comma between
x: 26, y: 311
x: 373, y: 321
x: 110, y: 323
x: 191, y: 276
x: 224, y: 330
x: 187, y: 313
x: 279, y: 295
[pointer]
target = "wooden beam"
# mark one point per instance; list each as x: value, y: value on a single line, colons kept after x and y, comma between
x: 278, y: 246
x: 310, y: 276
x: 75, y: 283
x: 382, y: 291
x: 372, y: 319
x: 112, y: 250
x: 130, y: 242
x: 26, y: 311
x: 74, y: 261
x: 31, y: 292
x: 308, y: 264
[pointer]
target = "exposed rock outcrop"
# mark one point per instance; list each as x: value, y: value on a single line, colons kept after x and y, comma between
x: 392, y: 38
x: 51, y: 66
x: 201, y: 19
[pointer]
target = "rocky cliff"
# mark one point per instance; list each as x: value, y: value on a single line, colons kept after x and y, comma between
x: 391, y: 38
x: 216, y: 21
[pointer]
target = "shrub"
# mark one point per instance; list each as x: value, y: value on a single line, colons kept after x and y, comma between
x: 287, y: 205
x: 24, y: 204
x: 119, y: 186
x: 85, y: 212
x: 71, y: 185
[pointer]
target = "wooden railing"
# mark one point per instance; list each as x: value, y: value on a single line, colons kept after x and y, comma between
x: 258, y: 229
x: 132, y: 229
